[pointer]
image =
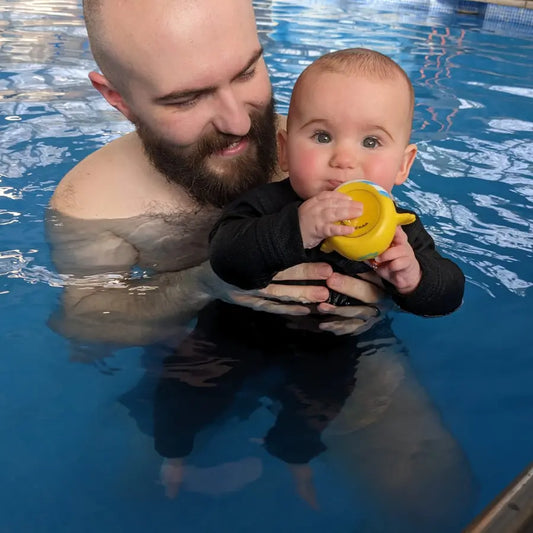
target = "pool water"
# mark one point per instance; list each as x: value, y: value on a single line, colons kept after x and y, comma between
x: 417, y: 428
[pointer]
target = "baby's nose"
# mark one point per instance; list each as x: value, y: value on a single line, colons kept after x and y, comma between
x: 344, y: 157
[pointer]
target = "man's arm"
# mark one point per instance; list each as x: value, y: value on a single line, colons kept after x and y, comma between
x: 105, y: 300
x: 102, y: 302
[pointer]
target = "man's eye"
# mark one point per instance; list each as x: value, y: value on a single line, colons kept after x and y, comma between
x: 370, y: 142
x: 247, y: 74
x: 184, y: 103
x: 322, y: 137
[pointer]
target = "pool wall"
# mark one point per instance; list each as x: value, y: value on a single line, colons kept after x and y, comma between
x: 507, y: 12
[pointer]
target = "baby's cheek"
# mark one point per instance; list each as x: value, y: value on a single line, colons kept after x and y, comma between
x: 305, y: 175
x: 381, y: 172
x: 306, y: 162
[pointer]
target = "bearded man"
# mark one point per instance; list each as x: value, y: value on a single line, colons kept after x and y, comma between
x: 192, y: 79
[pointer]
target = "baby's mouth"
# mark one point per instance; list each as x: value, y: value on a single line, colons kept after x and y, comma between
x: 335, y: 183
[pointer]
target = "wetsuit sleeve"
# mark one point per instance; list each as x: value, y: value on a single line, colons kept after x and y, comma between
x: 441, y: 288
x: 256, y: 237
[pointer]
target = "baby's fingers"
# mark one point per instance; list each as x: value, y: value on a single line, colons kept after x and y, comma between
x: 348, y: 210
x: 338, y: 229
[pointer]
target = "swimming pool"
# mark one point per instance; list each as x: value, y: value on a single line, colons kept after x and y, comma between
x: 452, y: 394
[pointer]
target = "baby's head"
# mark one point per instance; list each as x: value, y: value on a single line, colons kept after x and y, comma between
x: 350, y: 117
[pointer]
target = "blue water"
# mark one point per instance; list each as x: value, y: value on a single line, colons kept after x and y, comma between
x: 77, y: 446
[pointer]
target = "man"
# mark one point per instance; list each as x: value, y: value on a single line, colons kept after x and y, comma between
x: 192, y: 78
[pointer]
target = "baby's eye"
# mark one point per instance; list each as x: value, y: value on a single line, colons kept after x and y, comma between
x: 370, y: 142
x: 322, y: 137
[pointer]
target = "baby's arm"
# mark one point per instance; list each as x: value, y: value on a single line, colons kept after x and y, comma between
x: 440, y: 285
x: 399, y: 265
x: 319, y: 214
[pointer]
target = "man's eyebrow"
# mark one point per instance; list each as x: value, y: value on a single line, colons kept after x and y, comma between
x: 189, y: 93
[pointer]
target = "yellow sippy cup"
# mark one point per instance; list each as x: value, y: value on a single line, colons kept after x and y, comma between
x: 374, y: 229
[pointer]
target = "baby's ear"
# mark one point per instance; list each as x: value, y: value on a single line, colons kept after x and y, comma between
x: 283, y: 158
x: 409, y: 155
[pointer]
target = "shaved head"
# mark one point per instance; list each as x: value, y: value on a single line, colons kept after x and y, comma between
x: 191, y: 76
x: 123, y: 34
x: 94, y: 22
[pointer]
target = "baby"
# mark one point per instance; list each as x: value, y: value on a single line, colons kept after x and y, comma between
x: 350, y: 117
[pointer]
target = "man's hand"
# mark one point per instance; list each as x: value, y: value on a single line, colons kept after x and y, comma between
x: 281, y: 299
x: 398, y: 264
x: 352, y: 319
x: 294, y: 299
x: 319, y: 215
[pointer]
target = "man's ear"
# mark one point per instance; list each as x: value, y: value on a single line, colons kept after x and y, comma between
x: 283, y: 157
x: 409, y: 155
x: 114, y: 98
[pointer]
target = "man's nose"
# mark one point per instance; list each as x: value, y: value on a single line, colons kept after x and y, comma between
x: 344, y: 156
x: 231, y: 115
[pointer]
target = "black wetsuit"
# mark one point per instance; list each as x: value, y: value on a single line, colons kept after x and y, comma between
x: 258, y: 235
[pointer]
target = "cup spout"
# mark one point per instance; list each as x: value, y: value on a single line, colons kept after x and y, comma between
x: 404, y: 218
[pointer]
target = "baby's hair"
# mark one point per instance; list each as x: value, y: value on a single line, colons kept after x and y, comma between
x: 360, y: 62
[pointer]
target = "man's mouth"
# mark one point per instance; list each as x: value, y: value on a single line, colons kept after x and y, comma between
x: 235, y: 148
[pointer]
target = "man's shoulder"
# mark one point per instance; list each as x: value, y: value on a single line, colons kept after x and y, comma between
x: 112, y: 182
x: 83, y: 190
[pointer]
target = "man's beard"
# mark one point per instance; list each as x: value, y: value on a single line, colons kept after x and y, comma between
x: 189, y: 167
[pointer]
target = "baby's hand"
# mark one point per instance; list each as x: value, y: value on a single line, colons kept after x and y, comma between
x: 318, y: 216
x: 398, y: 264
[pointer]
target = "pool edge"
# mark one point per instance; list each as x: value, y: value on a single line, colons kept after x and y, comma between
x: 511, y: 511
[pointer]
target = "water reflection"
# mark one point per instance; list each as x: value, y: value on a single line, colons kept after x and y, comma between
x: 28, y: 27
x: 18, y: 265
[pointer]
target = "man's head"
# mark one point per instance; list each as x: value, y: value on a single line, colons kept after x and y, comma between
x: 350, y: 117
x: 191, y: 76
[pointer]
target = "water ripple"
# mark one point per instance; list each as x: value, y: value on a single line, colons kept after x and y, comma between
x: 477, y: 158
x: 14, y: 264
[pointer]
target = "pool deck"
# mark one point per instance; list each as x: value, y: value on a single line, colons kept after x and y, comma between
x: 527, y: 4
